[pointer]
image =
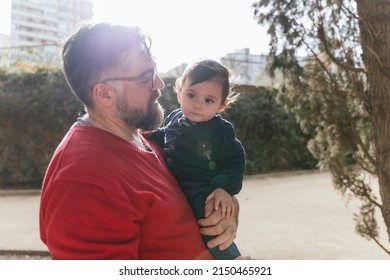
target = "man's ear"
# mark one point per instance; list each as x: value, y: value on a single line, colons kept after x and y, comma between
x: 102, y: 94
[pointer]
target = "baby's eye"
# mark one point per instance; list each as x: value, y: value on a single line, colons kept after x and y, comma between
x: 209, y: 100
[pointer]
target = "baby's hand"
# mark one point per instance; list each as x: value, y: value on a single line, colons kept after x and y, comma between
x: 224, y: 199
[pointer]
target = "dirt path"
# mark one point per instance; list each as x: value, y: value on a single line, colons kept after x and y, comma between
x: 299, y: 217
x: 282, y: 217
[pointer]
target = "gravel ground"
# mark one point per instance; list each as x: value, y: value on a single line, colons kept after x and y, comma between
x: 9, y: 255
x: 301, y: 216
x: 293, y: 216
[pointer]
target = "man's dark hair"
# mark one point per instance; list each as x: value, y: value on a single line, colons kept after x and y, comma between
x: 95, y: 49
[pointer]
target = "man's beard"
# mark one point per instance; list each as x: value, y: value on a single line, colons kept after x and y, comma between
x: 148, y: 119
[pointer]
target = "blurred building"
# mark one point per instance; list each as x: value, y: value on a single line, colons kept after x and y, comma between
x: 251, y: 69
x: 39, y: 27
x: 4, y: 41
x: 46, y: 22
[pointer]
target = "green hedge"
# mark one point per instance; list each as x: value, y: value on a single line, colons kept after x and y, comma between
x: 36, y: 110
x: 272, y: 138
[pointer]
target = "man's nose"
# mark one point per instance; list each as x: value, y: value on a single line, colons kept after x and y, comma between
x: 158, y: 83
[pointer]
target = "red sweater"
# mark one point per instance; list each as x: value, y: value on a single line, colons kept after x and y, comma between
x: 103, y: 198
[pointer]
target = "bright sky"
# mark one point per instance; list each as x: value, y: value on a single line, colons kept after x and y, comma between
x: 182, y: 31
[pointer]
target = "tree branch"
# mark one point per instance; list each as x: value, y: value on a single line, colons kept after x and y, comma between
x: 324, y: 41
x: 372, y: 236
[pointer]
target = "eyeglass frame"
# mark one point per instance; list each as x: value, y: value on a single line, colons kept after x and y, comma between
x: 143, y: 77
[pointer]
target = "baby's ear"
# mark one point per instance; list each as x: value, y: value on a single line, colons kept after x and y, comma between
x: 177, y: 88
x: 222, y: 107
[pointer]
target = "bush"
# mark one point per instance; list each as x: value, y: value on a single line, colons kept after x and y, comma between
x: 37, y: 109
x: 271, y: 137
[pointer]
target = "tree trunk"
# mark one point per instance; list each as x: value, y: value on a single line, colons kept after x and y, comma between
x: 375, y: 38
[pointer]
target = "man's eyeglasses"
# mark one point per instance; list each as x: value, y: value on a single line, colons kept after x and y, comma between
x: 149, y: 76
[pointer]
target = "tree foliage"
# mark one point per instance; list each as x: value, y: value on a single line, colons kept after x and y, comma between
x: 327, y: 52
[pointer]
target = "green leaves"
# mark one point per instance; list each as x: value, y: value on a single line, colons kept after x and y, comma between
x: 36, y: 109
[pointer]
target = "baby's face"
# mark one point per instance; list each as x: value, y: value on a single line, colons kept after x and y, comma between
x: 202, y: 101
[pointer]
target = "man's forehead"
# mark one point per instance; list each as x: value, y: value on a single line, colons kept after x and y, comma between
x: 136, y: 60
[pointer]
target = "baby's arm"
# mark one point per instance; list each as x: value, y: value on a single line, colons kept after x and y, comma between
x: 224, y: 199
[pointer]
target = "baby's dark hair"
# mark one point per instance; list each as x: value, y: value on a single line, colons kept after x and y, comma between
x: 206, y: 70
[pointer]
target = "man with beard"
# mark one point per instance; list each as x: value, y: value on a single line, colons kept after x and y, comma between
x: 107, y: 193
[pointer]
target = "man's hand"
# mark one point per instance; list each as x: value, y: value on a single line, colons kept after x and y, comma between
x: 214, y: 225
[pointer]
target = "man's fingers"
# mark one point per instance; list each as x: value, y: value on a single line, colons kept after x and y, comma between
x: 209, y: 197
x: 212, y: 217
x: 224, y: 234
x: 208, y: 209
x: 224, y: 240
x: 224, y: 230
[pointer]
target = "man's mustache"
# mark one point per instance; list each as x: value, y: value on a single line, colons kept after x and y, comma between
x: 155, y: 95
